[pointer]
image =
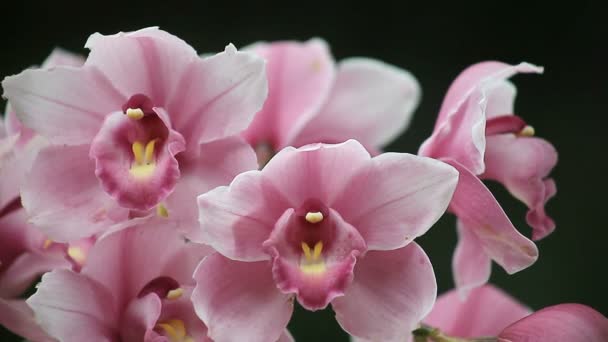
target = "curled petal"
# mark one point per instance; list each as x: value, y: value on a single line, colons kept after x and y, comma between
x: 18, y: 317
x: 479, y: 211
x: 236, y: 310
x: 522, y: 164
x: 391, y: 292
x: 471, y: 264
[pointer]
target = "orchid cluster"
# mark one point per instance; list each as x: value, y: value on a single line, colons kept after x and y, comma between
x: 165, y: 196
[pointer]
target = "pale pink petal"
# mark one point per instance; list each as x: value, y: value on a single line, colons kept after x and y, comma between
x: 238, y: 301
x: 460, y: 128
x: 60, y: 56
x: 485, y: 312
x: 236, y: 220
x: 116, y: 260
x: 316, y: 171
x: 501, y: 99
x: 64, y: 104
x: 300, y: 76
x: 18, y: 317
x: 148, y: 61
x: 139, y: 318
x: 10, y: 172
x: 73, y: 307
x: 479, y: 211
x: 471, y: 265
x: 286, y: 337
x: 25, y: 269
x: 396, y: 198
x: 370, y: 101
x: 563, y: 322
x: 63, y: 196
x: 183, y: 309
x: 218, y: 163
x: 218, y: 96
x: 314, y: 282
x: 138, y: 185
x: 390, y: 294
x: 522, y: 164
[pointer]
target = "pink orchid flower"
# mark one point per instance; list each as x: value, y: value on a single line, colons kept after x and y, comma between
x: 125, y: 292
x: 143, y: 125
x: 324, y: 224
x: 311, y: 99
x: 489, y: 312
x: 477, y: 133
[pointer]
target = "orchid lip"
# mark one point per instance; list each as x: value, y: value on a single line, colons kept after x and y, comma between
x: 175, y: 330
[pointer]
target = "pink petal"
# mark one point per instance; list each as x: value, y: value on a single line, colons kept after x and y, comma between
x: 63, y: 196
x: 341, y: 246
x: 479, y: 211
x: 471, y: 264
x: 237, y: 310
x: 218, y: 96
x: 286, y: 337
x: 522, y: 165
x: 183, y: 309
x: 218, y: 163
x: 140, y: 317
x: 236, y: 220
x: 23, y: 271
x: 11, y: 171
x: 370, y: 101
x: 115, y: 164
x: 300, y: 76
x: 474, y: 95
x: 390, y: 294
x: 60, y: 56
x: 148, y: 61
x: 396, y: 198
x: 64, y: 104
x: 486, y: 312
x: 18, y: 317
x: 73, y: 307
x: 116, y: 260
x: 563, y: 322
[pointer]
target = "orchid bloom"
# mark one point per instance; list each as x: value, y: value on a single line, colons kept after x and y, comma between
x: 323, y: 224
x: 142, y: 127
x: 135, y: 286
x: 490, y: 313
x: 311, y: 99
x: 25, y: 253
x: 477, y: 133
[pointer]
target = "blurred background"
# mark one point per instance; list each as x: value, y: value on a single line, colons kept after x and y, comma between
x: 567, y: 105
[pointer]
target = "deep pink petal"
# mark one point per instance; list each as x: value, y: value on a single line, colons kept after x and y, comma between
x: 140, y: 317
x: 237, y: 310
x: 18, y: 317
x: 479, y: 211
x: 314, y: 282
x: 522, y: 164
x: 73, y: 307
x: 563, y: 322
x: 218, y: 163
x: 64, y: 104
x: 218, y: 96
x: 471, y: 265
x: 485, y: 312
x: 370, y: 101
x: 137, y: 184
x: 390, y: 294
x: 300, y: 76
x: 63, y: 196
x: 395, y: 198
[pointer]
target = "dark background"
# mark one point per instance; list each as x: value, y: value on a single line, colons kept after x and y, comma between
x: 567, y: 105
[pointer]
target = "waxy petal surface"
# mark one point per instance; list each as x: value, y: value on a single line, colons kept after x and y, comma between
x: 391, y: 292
x: 237, y: 310
x: 471, y: 265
